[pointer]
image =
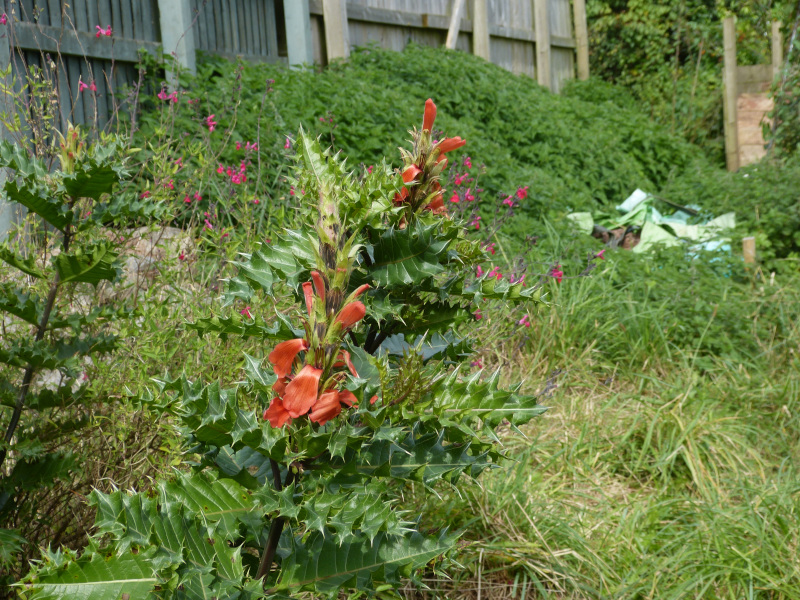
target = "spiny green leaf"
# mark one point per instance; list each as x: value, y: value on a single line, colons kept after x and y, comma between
x: 38, y: 200
x: 26, y: 265
x: 96, y: 578
x: 91, y: 264
x: 320, y: 565
x: 408, y: 256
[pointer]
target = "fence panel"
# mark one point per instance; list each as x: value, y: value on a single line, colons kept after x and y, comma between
x: 232, y: 28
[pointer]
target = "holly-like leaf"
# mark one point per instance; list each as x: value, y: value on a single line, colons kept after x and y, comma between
x: 91, y: 264
x: 26, y: 265
x: 320, y: 564
x: 90, y: 180
x: 23, y: 305
x: 96, y: 578
x: 408, y: 256
x: 38, y: 200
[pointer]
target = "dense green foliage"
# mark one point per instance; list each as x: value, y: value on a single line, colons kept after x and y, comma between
x: 570, y: 152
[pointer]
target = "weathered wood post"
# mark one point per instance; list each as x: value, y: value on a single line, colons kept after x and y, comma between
x: 777, y: 48
x: 541, y: 23
x: 581, y: 38
x: 337, y: 35
x: 177, y: 34
x: 455, y: 24
x: 298, y: 32
x: 9, y: 213
x: 480, y: 29
x: 730, y: 94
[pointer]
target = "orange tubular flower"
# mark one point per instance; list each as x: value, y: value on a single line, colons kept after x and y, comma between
x: 363, y: 288
x: 308, y: 292
x: 450, y: 144
x: 319, y: 285
x: 326, y: 408
x: 430, y: 115
x: 351, y: 314
x: 345, y: 361
x: 284, y: 354
x: 436, y: 206
x: 347, y: 398
x: 301, y: 393
x: 276, y: 414
x: 410, y: 174
x: 279, y: 387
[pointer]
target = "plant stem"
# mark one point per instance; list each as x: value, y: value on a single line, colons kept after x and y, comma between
x: 276, y: 527
x: 27, y: 378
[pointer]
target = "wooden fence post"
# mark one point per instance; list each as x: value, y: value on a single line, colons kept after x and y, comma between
x: 298, y: 32
x: 541, y: 22
x: 749, y: 250
x: 581, y: 38
x: 455, y: 24
x: 177, y: 34
x: 9, y: 213
x: 337, y: 36
x: 777, y: 48
x: 480, y: 29
x: 730, y: 94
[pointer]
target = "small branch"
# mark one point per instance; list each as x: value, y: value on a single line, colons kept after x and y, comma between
x: 276, y: 527
x: 27, y: 378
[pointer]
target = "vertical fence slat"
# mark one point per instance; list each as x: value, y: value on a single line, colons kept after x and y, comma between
x: 260, y: 29
x: 104, y: 14
x: 236, y: 41
x: 271, y: 30
x: 55, y: 12
x: 252, y: 24
x: 480, y: 29
x: 581, y: 39
x: 541, y: 22
x: 211, y: 26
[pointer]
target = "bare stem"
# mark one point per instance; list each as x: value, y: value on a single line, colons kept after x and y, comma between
x: 276, y: 527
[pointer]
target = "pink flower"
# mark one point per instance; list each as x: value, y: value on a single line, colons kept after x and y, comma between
x: 101, y: 31
x: 557, y: 273
x: 478, y: 315
x: 490, y: 247
x: 246, y: 312
x: 524, y: 321
x: 92, y: 87
x: 478, y: 363
x: 181, y: 256
x: 238, y: 145
x: 479, y: 271
x: 460, y: 178
x: 476, y: 222
x: 208, y: 225
x: 600, y: 254
x: 369, y: 169
x: 255, y: 201
x: 197, y: 196
x: 495, y: 272
x: 468, y: 162
x: 163, y: 95
x: 454, y: 198
x: 508, y: 202
x: 145, y: 194
x: 82, y: 86
x: 288, y: 144
x: 174, y: 96
x: 469, y: 197
x: 169, y: 184
x: 513, y: 280
x: 211, y: 123
x: 3, y: 19
x: 187, y: 200
x: 251, y: 147
x: 522, y: 192
x: 179, y: 162
x: 220, y: 169
x: 291, y: 191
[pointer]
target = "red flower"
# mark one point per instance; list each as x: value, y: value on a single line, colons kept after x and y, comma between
x: 284, y: 354
x: 308, y: 292
x: 436, y: 206
x: 326, y: 408
x: 276, y: 414
x: 301, y: 393
x: 410, y: 174
x: 319, y: 285
x: 360, y: 290
x: 430, y: 115
x: 345, y: 361
x: 450, y: 144
x: 557, y: 273
x: 351, y: 314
